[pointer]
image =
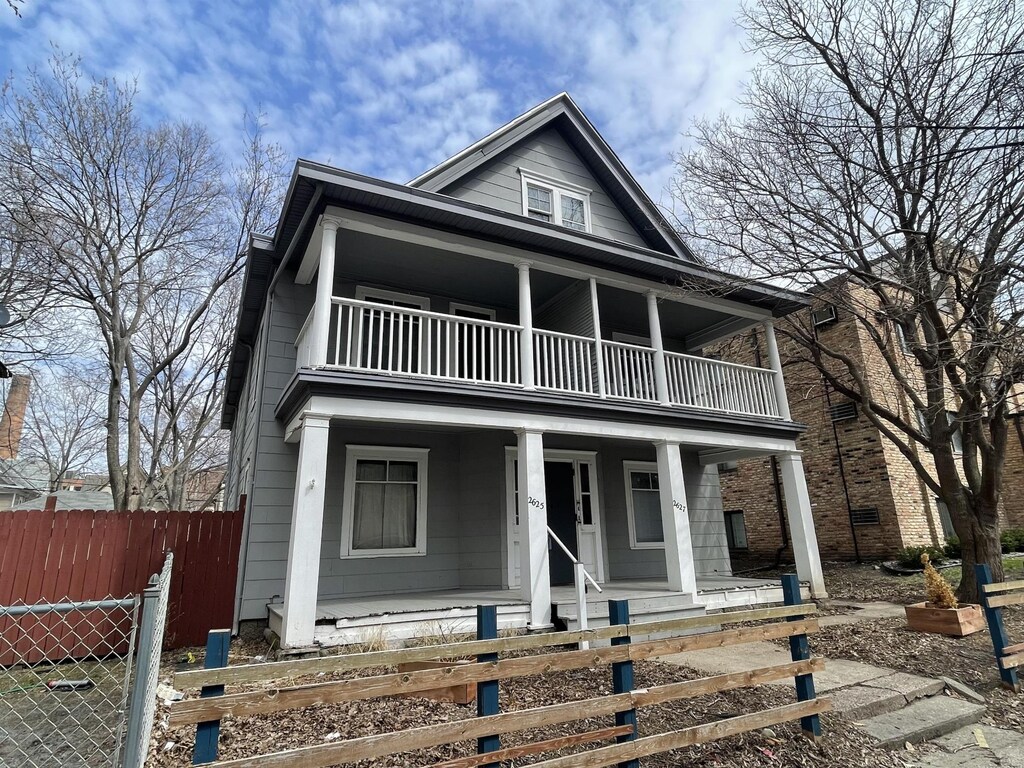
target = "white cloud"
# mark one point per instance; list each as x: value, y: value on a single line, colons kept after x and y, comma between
x: 390, y: 87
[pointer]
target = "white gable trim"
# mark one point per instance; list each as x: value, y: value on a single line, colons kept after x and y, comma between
x: 465, y: 162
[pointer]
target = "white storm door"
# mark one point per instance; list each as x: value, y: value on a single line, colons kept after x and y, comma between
x: 588, y: 524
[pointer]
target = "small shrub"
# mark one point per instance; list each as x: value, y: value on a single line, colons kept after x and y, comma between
x: 952, y: 550
x: 939, y: 592
x: 910, y: 557
x: 1012, y: 540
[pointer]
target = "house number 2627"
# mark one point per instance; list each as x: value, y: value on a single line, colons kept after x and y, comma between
x: 536, y: 503
x: 677, y: 505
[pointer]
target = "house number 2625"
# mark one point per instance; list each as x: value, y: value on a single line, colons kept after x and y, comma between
x: 677, y: 505
x: 536, y: 503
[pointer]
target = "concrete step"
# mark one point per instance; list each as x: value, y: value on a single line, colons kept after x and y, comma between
x: 661, y: 608
x: 923, y: 720
x: 881, y: 695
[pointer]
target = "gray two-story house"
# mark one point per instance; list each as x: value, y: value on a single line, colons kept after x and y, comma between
x: 487, y: 385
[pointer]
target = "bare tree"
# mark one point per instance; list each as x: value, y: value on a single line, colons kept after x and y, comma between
x: 880, y: 150
x: 133, y: 219
x: 64, y: 428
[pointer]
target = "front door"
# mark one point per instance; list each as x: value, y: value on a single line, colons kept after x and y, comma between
x: 570, y: 477
x: 561, y: 493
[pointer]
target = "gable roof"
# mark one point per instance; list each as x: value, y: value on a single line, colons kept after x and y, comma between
x: 561, y: 112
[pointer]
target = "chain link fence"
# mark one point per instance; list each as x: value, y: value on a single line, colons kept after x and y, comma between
x: 66, y: 672
x: 64, y: 679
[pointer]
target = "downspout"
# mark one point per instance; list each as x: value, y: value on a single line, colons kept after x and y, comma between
x: 774, y: 463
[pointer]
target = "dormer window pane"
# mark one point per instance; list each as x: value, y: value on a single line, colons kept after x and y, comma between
x: 539, y: 202
x: 573, y: 215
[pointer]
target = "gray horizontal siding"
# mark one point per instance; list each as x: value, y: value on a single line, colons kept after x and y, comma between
x: 498, y: 184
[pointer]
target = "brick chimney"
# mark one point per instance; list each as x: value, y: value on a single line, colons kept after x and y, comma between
x: 13, y: 419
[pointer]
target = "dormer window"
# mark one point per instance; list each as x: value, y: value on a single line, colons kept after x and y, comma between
x: 557, y: 202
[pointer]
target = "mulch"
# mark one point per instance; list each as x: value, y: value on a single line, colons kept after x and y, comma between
x: 884, y: 642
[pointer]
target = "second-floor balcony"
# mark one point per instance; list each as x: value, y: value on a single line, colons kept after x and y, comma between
x: 371, y: 337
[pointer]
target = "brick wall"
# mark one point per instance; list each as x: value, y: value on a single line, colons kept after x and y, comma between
x: 1013, y: 475
x: 850, y: 467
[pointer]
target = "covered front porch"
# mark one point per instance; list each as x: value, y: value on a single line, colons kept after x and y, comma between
x: 438, y: 509
x: 387, y: 619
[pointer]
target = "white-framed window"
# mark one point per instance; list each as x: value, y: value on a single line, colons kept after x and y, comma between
x: 643, y: 505
x: 558, y: 202
x: 392, y: 298
x: 384, y: 504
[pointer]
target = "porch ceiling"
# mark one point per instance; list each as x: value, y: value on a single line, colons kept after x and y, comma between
x: 422, y: 269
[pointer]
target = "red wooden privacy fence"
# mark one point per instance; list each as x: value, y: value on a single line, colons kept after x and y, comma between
x: 80, y: 554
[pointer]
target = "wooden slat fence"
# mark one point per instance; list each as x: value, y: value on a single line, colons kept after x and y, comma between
x: 994, y: 598
x: 49, y: 556
x: 622, y: 742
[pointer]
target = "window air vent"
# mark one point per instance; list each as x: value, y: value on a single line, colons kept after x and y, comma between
x: 824, y: 316
x: 866, y: 516
x: 846, y: 411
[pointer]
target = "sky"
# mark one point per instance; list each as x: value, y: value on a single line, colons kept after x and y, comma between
x: 390, y: 88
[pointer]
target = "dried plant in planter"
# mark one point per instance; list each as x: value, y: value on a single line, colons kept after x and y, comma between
x: 938, y: 590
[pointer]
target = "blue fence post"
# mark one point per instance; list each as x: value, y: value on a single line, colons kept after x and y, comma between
x: 487, y: 692
x: 801, y: 651
x: 622, y: 676
x: 996, y: 628
x: 207, y: 734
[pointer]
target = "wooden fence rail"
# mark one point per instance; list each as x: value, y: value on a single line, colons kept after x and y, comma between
x: 793, y: 621
x: 55, y: 555
x: 995, y: 597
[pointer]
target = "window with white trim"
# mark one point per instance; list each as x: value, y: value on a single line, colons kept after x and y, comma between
x: 643, y: 505
x: 557, y: 202
x: 384, y: 508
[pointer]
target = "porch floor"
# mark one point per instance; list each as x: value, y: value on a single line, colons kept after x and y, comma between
x: 713, y: 592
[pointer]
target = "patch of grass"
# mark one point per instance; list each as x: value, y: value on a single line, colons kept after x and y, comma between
x: 1013, y: 568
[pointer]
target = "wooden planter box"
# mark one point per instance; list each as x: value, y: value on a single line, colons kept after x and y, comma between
x: 464, y: 693
x: 958, y: 622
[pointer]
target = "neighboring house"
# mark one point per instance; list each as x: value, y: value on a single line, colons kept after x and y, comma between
x: 21, y: 479
x: 70, y: 500
x: 868, y: 500
x: 432, y: 381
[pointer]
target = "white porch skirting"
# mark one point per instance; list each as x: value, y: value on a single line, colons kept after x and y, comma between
x: 391, y: 619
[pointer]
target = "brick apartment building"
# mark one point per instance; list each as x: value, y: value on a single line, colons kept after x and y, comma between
x: 867, y: 500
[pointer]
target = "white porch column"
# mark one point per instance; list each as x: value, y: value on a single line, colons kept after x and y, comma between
x: 675, y: 520
x: 660, y: 371
x: 801, y: 523
x: 526, y: 320
x: 595, y: 311
x: 324, y: 289
x: 303, y: 570
x: 535, y: 575
x: 776, y: 365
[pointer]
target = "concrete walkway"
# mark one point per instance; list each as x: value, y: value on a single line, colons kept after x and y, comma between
x: 894, y: 707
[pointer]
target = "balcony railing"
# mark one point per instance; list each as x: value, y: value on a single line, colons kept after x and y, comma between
x: 368, y: 336
x: 379, y: 338
x: 629, y: 371
x: 564, y: 363
x: 698, y: 382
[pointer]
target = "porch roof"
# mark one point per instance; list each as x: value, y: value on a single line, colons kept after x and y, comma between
x: 307, y: 383
x: 314, y: 186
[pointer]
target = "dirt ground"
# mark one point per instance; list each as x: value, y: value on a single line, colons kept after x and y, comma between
x: 884, y: 642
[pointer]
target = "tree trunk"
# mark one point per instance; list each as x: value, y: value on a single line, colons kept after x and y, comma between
x: 978, y: 530
x: 114, y: 471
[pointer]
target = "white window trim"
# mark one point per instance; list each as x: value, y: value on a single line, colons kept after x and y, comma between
x: 365, y: 293
x: 627, y: 468
x: 356, y: 452
x: 557, y: 188
x: 455, y: 306
x: 631, y: 338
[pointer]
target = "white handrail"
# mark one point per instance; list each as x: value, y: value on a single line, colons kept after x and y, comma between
x: 422, y: 313
x: 574, y: 559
